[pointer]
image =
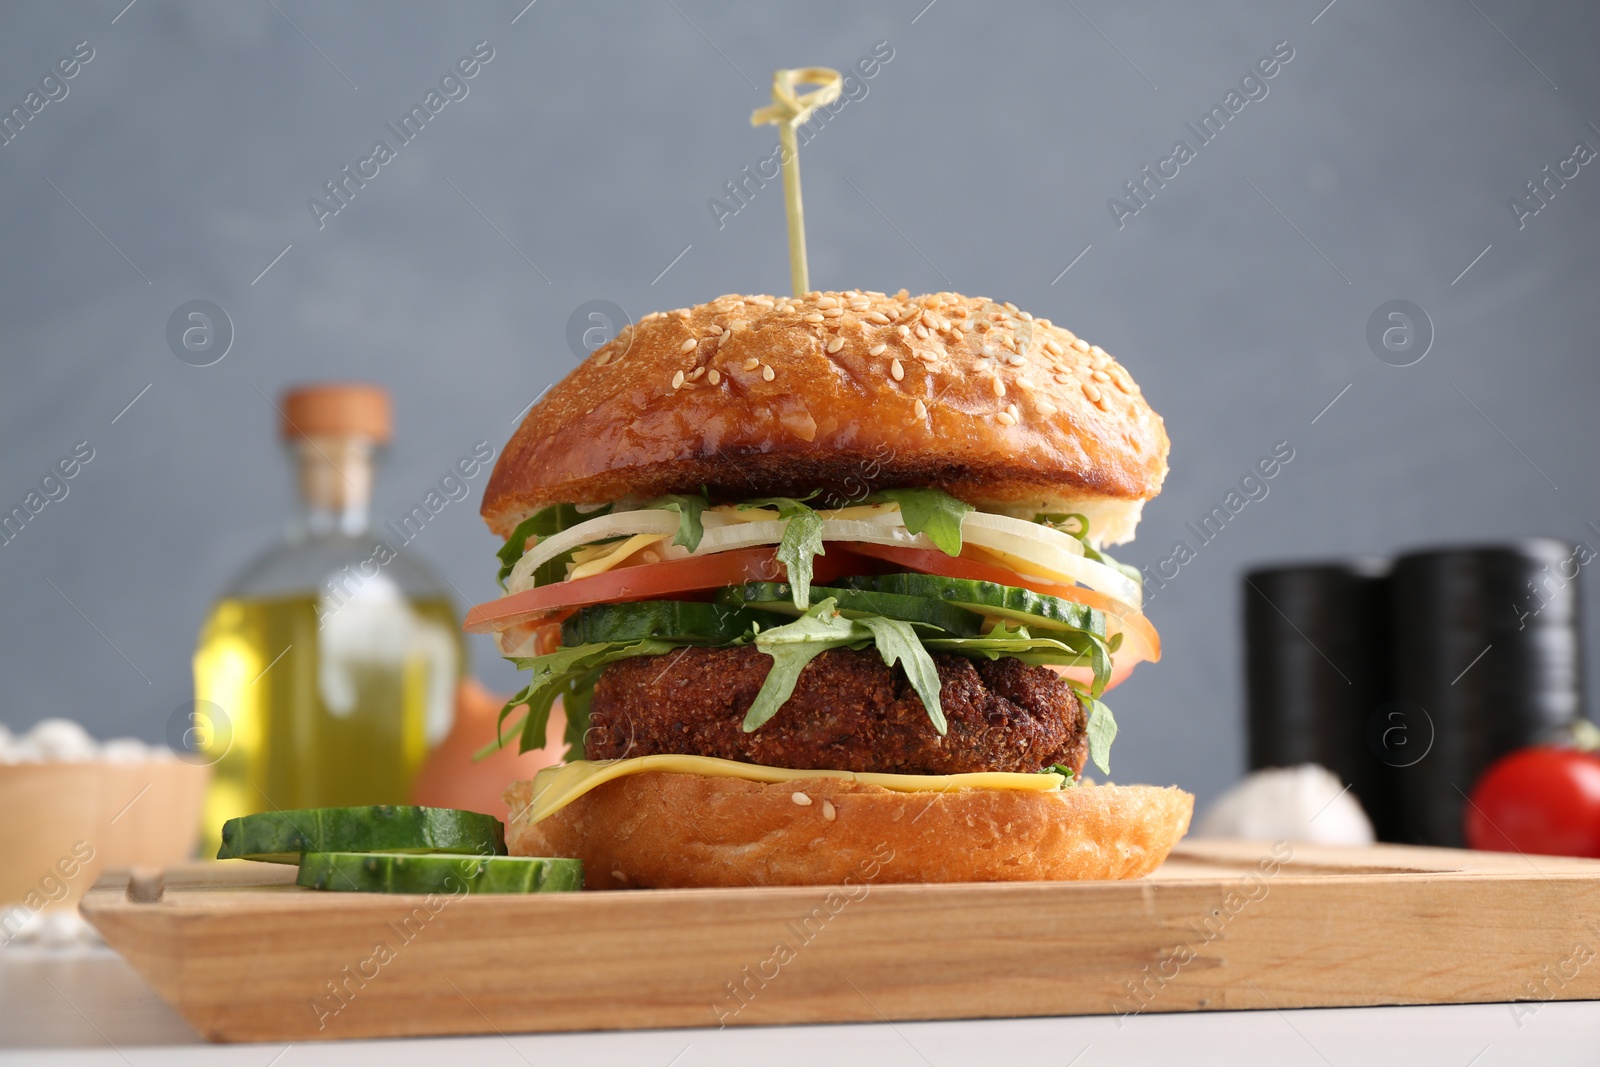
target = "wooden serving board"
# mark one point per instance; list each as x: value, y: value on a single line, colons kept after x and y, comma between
x: 245, y: 955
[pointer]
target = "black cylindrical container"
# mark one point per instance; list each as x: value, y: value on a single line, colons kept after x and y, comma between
x: 1316, y: 646
x: 1487, y: 659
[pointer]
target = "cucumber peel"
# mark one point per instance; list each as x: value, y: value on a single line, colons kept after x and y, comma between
x: 400, y: 872
x: 282, y: 836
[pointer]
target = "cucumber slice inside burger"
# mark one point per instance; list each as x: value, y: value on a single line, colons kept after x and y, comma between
x: 852, y: 602
x: 677, y: 620
x: 399, y: 872
x: 282, y: 836
x: 1034, y: 610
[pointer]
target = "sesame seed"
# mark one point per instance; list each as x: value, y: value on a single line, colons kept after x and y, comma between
x: 677, y: 380
x: 1080, y: 344
x: 921, y: 331
x: 602, y: 357
x: 1009, y: 341
x: 1024, y: 316
x: 1103, y: 404
x: 694, y: 375
x: 812, y: 316
x: 683, y: 313
x: 1101, y: 376
x: 1017, y: 361
x: 896, y: 371
x: 903, y: 330
x: 1051, y: 346
x: 688, y: 345
x: 767, y: 374
x: 1123, y: 384
x: 999, y: 386
x: 714, y: 377
x: 982, y: 325
x: 987, y: 351
x: 828, y: 811
x: 876, y: 350
x: 878, y: 317
x: 921, y: 409
x: 714, y: 328
x: 1063, y: 379
x: 1097, y: 350
x: 956, y: 335
x: 1091, y: 391
x: 833, y: 313
x: 827, y: 302
x: 752, y: 363
x: 800, y: 798
x: 835, y: 344
x: 1009, y: 306
x: 1005, y: 418
x: 1046, y: 408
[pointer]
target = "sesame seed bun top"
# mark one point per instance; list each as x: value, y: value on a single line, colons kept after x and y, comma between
x: 847, y: 393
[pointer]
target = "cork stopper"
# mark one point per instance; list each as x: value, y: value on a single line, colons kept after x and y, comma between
x: 337, y: 409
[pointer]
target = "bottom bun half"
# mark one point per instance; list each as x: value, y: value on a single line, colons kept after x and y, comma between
x: 667, y: 830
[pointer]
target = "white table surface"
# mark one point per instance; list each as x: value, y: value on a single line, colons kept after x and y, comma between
x: 86, y: 1006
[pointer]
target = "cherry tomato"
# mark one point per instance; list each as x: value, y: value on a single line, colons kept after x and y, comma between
x: 1544, y: 800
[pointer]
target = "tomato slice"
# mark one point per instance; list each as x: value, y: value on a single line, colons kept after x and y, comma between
x: 648, y: 581
x: 1136, y: 629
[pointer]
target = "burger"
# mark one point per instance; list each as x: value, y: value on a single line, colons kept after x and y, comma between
x: 821, y: 586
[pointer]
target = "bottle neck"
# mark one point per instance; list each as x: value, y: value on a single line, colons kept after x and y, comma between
x: 335, y: 482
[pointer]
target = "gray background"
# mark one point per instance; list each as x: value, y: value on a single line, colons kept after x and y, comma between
x: 981, y: 160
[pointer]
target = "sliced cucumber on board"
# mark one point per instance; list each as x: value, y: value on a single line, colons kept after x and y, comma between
x: 680, y: 620
x: 400, y: 872
x: 852, y: 602
x: 989, y: 598
x: 281, y: 836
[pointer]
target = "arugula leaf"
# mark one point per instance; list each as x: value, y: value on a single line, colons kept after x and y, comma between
x: 1063, y: 648
x: 689, y: 509
x: 1102, y: 730
x: 1066, y: 772
x: 929, y: 510
x: 792, y: 646
x: 542, y: 523
x: 565, y: 672
x: 801, y: 544
x: 575, y: 699
x: 898, y: 642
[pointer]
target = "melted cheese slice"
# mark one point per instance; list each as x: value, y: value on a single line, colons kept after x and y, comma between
x: 556, y: 787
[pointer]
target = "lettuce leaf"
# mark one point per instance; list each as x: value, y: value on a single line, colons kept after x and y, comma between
x: 930, y: 511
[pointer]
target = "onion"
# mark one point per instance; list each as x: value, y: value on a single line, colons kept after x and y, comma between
x: 1043, y: 551
x: 1041, y: 548
x: 770, y: 532
x: 620, y: 524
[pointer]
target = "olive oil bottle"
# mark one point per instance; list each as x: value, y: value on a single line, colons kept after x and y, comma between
x: 328, y: 668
